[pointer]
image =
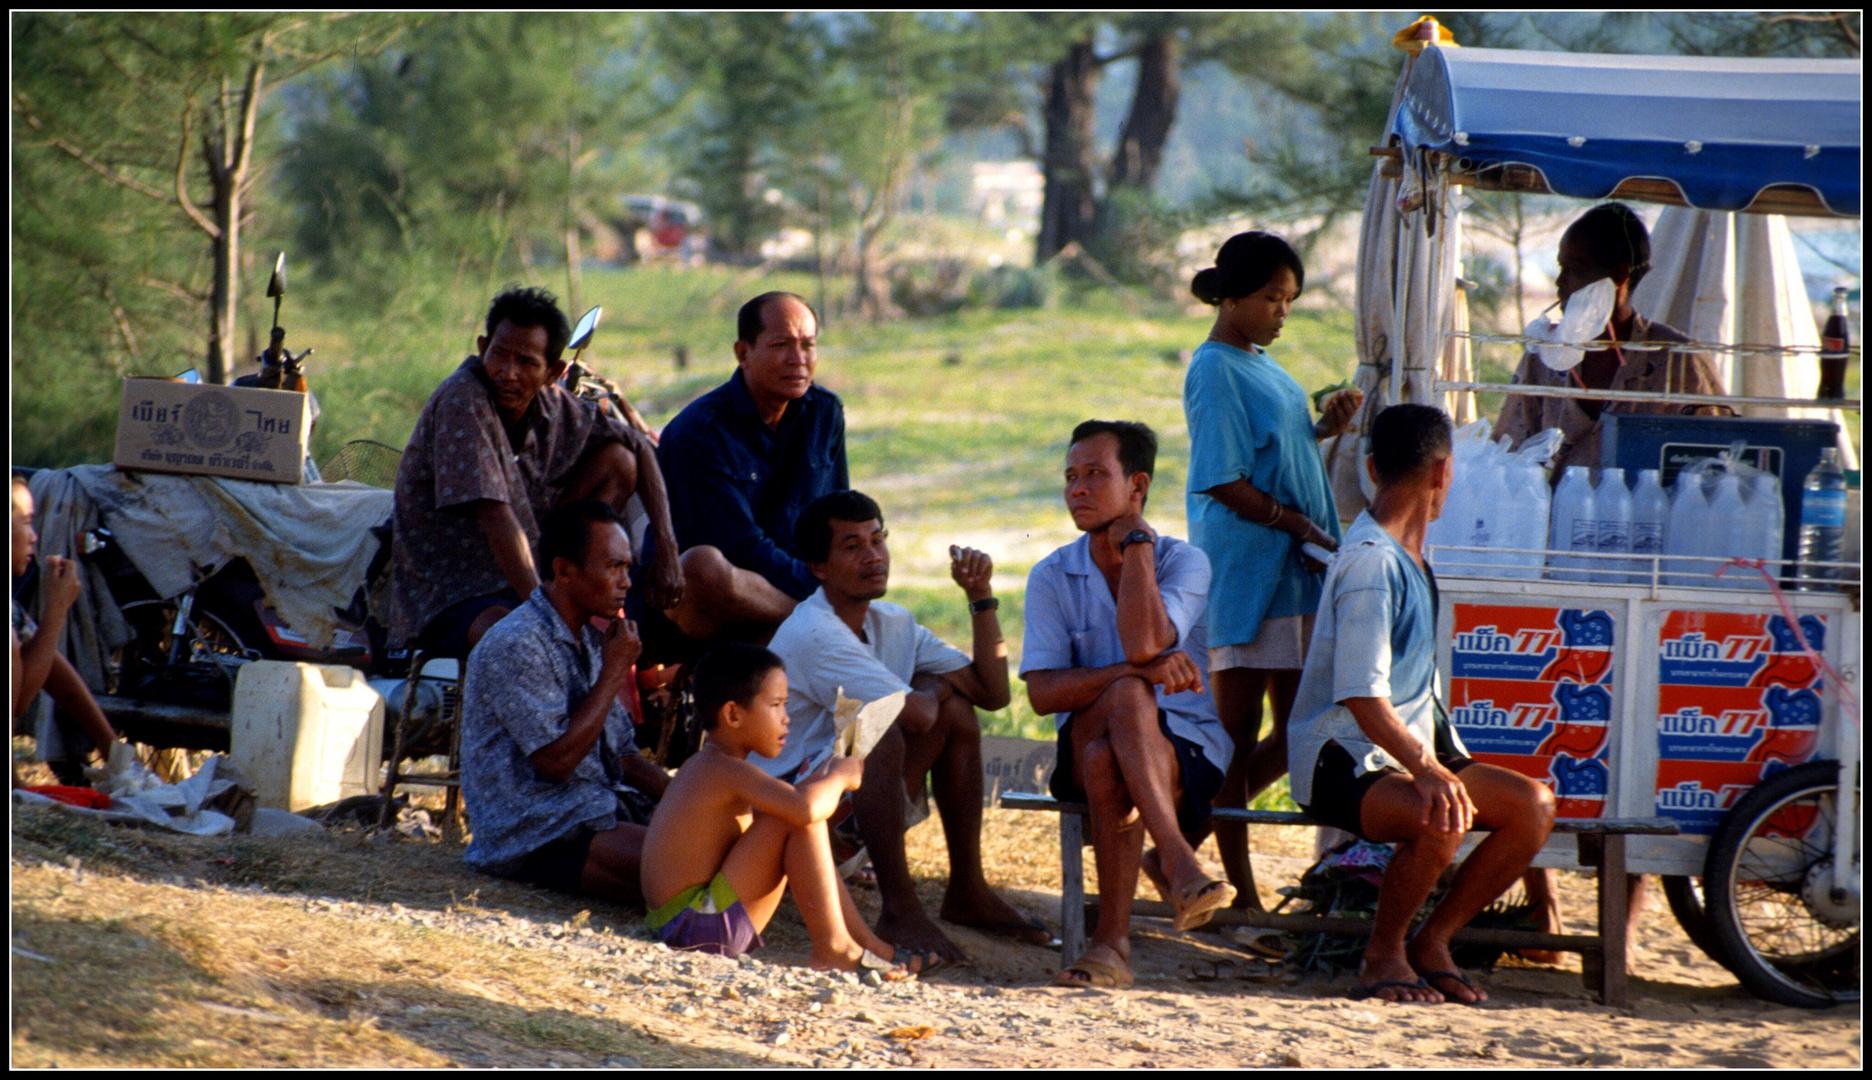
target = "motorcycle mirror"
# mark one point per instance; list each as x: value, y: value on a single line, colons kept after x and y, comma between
x: 276, y: 286
x: 587, y: 326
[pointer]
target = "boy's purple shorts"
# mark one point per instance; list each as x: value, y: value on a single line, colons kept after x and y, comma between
x: 725, y: 933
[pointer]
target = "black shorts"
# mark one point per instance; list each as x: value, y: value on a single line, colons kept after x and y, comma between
x: 447, y: 633
x: 559, y: 865
x: 1199, y: 777
x: 1338, y: 795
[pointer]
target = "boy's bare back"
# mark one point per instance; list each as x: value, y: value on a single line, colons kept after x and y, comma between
x: 706, y: 809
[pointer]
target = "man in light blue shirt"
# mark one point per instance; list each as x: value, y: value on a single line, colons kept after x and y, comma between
x: 1115, y: 649
x: 1367, y: 749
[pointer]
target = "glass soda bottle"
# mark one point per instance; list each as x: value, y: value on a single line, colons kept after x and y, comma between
x: 1835, y: 343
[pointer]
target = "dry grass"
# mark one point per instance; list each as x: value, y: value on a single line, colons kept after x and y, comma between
x: 179, y: 952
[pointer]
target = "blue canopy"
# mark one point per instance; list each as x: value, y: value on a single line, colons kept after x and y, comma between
x: 1720, y: 129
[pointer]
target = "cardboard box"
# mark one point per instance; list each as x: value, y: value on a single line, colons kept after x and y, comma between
x: 207, y: 430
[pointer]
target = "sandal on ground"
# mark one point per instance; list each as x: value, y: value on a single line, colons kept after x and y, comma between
x: 890, y: 970
x: 1197, y: 902
x: 1366, y: 993
x: 1097, y: 974
x: 927, y: 960
x: 1430, y: 977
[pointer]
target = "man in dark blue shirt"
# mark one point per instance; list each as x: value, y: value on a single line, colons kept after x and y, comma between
x: 740, y: 463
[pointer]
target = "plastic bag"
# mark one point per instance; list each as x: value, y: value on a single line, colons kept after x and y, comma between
x: 1541, y: 449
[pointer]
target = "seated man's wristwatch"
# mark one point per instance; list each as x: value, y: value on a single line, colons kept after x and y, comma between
x: 1135, y: 536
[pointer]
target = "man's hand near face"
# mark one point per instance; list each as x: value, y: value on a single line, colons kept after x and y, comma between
x: 1127, y: 523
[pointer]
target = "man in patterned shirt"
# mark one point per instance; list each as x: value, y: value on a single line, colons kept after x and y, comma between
x: 558, y: 794
x: 498, y: 445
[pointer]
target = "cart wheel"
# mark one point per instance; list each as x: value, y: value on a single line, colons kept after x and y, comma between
x: 1685, y: 896
x: 1768, y: 886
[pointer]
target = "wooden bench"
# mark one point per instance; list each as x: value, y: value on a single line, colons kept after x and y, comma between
x: 1601, y: 845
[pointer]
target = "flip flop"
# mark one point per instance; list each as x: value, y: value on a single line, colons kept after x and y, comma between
x: 928, y: 960
x: 871, y: 961
x: 1198, y: 902
x: 1428, y: 978
x: 1098, y: 974
x: 1365, y: 993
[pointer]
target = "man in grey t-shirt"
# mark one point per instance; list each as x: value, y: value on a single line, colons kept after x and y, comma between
x: 1366, y: 749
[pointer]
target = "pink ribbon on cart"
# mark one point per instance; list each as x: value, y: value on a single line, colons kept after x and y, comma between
x: 1847, y: 697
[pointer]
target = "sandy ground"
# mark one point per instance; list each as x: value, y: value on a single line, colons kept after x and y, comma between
x: 131, y: 948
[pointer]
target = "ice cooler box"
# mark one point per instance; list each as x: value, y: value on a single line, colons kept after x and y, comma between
x: 1788, y: 448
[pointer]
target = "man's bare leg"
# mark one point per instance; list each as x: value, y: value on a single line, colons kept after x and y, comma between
x: 952, y: 760
x: 1519, y: 814
x: 879, y: 806
x: 1117, y: 846
x: 1126, y: 713
x: 1392, y: 813
x: 716, y: 593
x: 608, y: 474
x: 613, y: 865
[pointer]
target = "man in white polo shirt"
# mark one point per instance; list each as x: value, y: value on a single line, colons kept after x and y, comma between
x: 843, y: 640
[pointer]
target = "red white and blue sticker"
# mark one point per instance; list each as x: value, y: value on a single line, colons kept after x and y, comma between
x: 1531, y: 690
x: 1738, y: 700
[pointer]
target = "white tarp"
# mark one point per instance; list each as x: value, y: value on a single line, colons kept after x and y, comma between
x: 1729, y: 279
x: 310, y: 545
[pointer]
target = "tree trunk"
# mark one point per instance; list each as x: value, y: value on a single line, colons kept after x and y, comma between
x: 1070, y: 164
x: 573, y: 256
x: 225, y: 293
x: 1153, y: 109
x: 228, y: 158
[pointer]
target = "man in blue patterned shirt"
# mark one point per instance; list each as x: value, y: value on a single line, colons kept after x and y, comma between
x: 556, y: 790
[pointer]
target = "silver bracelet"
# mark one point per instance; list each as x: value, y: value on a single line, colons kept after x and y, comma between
x: 1276, y: 516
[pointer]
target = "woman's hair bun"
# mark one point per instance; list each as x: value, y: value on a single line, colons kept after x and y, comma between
x: 1244, y: 264
x: 1204, y: 286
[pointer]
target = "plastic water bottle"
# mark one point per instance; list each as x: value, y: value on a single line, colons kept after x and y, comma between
x: 1488, y: 510
x: 1649, y: 512
x: 1532, y: 505
x: 1612, y: 518
x: 1726, y: 535
x: 1767, y: 520
x: 1683, y: 534
x: 1574, y: 526
x: 1822, y: 523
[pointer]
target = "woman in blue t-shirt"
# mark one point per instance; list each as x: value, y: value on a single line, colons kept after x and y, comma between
x: 1257, y: 491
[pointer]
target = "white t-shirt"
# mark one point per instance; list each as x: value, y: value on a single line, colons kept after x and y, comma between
x: 822, y: 655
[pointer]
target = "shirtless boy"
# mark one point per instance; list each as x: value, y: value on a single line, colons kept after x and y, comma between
x: 728, y: 839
